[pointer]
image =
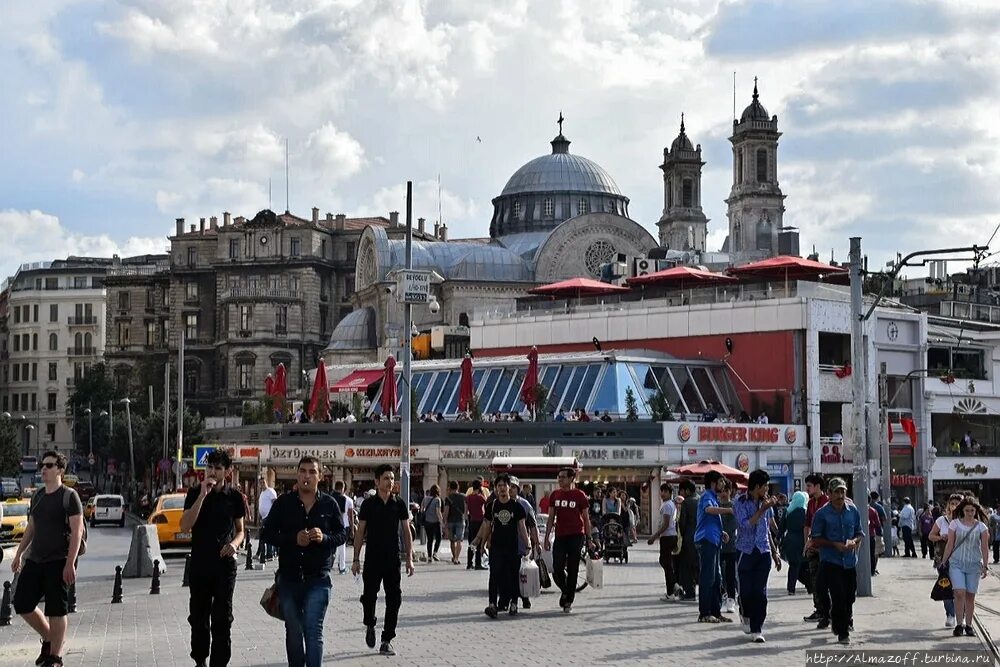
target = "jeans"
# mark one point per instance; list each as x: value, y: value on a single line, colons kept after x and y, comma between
x: 754, y: 569
x: 925, y: 545
x: 793, y: 575
x: 304, y: 604
x: 667, y: 545
x: 211, y: 610
x: 727, y: 561
x: 473, y: 530
x: 709, y: 580
x: 687, y: 567
x: 843, y: 586
x: 908, y: 542
x: 433, y: 531
x: 505, y: 579
x: 566, y: 565
x: 384, y: 574
x: 949, y: 607
x: 821, y: 593
x: 996, y: 552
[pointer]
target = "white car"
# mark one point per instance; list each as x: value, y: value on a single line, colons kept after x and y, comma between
x: 108, y: 509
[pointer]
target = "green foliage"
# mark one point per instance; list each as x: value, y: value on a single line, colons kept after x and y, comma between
x: 357, y: 406
x: 475, y: 411
x: 95, y: 391
x: 257, y: 412
x: 631, y: 407
x: 660, y: 408
x: 10, y: 449
x: 541, y: 400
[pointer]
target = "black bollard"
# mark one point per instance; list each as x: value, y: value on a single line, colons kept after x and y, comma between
x: 154, y: 587
x: 187, y: 564
x: 5, y: 605
x: 261, y: 550
x: 116, y: 592
x: 71, y: 601
x: 249, y: 565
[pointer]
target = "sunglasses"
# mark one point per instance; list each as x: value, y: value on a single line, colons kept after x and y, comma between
x: 50, y: 465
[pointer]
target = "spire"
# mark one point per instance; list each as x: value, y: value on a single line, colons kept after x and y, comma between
x: 755, y: 95
x: 682, y: 122
x: 560, y: 144
x: 560, y: 122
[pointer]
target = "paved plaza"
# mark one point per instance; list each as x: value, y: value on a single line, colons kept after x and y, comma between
x: 442, y: 620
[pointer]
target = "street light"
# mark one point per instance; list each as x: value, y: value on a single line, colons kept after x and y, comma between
x: 131, y: 446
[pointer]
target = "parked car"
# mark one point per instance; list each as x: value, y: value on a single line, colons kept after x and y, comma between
x: 108, y: 509
x: 88, y: 509
x: 166, y: 517
x: 9, y: 488
x: 85, y: 490
x: 29, y: 464
x: 15, y: 520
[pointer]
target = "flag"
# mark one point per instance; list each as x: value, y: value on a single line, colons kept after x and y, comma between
x: 910, y: 429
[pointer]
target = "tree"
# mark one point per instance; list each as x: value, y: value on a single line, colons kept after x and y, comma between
x: 257, y: 412
x: 631, y: 407
x: 95, y: 390
x: 541, y: 400
x: 660, y: 408
x: 10, y: 449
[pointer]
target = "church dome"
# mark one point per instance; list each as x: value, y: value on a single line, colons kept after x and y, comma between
x: 682, y: 143
x: 355, y: 332
x: 755, y: 110
x: 561, y: 172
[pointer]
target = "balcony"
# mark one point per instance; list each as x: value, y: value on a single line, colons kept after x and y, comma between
x: 971, y: 311
x: 82, y: 352
x: 260, y: 294
x: 83, y: 321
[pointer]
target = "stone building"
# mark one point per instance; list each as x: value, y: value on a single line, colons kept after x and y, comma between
x: 683, y: 225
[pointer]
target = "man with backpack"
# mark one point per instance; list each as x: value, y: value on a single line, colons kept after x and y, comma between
x: 45, y: 560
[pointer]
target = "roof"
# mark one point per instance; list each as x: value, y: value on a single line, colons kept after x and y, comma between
x: 786, y: 266
x: 561, y: 171
x: 462, y: 260
x: 755, y: 110
x: 355, y: 332
x: 681, y: 142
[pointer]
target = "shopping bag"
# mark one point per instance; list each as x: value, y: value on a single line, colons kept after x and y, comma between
x: 547, y: 559
x: 531, y: 583
x: 879, y: 545
x: 543, y: 574
x: 942, y: 589
x: 595, y: 573
x: 269, y: 601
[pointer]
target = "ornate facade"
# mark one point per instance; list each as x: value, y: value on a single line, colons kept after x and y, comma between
x: 683, y: 225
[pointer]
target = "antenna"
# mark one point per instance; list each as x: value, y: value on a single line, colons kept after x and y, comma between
x: 287, y: 208
x: 734, y: 95
x: 269, y: 194
x: 440, y: 221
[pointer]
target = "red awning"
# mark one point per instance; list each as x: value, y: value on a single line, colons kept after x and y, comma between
x: 357, y: 381
x: 787, y: 267
x: 681, y: 276
x: 578, y: 287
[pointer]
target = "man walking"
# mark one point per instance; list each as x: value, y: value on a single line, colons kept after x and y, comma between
x: 475, y: 503
x: 454, y: 521
x: 756, y: 550
x: 307, y: 526
x: 687, y: 523
x: 531, y: 545
x: 569, y: 513
x: 908, y: 522
x: 45, y: 560
x: 502, y: 527
x: 836, y: 531
x: 709, y: 536
x: 380, y: 520
x: 267, y: 497
x: 667, y: 534
x: 213, y: 514
x: 815, y: 484
x: 346, y: 507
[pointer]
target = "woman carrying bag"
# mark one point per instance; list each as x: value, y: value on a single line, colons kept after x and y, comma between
x: 793, y: 542
x: 967, y: 555
x: 939, y: 537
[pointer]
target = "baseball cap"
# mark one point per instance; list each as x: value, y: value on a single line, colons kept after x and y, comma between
x: 837, y: 483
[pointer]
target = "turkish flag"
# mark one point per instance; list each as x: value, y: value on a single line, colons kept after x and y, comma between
x: 910, y: 429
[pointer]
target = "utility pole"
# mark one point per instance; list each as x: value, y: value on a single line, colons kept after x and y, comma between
x: 859, y: 377
x: 404, y: 403
x: 180, y: 406
x: 885, y: 479
x: 166, y: 411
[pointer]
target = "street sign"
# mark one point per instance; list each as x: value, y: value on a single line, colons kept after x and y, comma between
x: 413, y: 286
x: 90, y: 459
x: 201, y: 452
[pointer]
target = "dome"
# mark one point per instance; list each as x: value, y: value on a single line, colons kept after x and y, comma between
x: 355, y: 332
x: 682, y: 143
x: 561, y: 172
x: 756, y: 110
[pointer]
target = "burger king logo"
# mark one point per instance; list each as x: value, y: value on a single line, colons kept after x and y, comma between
x: 349, y: 452
x: 684, y: 432
x: 790, y: 435
x: 743, y: 462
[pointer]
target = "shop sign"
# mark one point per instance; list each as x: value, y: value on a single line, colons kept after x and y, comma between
x: 477, y: 454
x: 743, y: 462
x: 377, y: 452
x: 249, y: 453
x: 907, y: 480
x: 978, y: 469
x: 780, y: 469
x: 611, y: 454
x: 325, y: 453
x: 723, y: 434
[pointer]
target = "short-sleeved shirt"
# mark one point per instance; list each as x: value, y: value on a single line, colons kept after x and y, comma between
x: 835, y: 526
x: 814, y: 506
x: 709, y: 525
x: 968, y: 548
x: 570, y: 506
x: 504, y: 518
x: 455, y: 502
x: 50, y: 514
x: 267, y: 498
x: 216, y: 523
x: 475, y: 503
x: 382, y: 527
x: 750, y: 537
x: 668, y: 512
x: 431, y: 511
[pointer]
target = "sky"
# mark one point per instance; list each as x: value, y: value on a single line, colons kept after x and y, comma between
x: 119, y: 117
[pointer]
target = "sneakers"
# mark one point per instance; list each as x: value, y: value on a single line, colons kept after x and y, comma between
x: 823, y: 624
x: 745, y: 622
x: 435, y: 558
x: 513, y: 609
x: 386, y: 649
x: 730, y: 606
x: 678, y: 597
x: 969, y: 632
x: 44, y: 655
x: 667, y: 598
x: 758, y: 638
x: 812, y: 617
x: 844, y: 639
x: 723, y: 619
x: 567, y: 608
x: 949, y: 621
x: 526, y: 603
x: 708, y: 619
x: 491, y: 611
x: 370, y: 636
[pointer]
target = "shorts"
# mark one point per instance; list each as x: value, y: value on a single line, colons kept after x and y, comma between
x: 42, y: 580
x: 965, y: 576
x: 456, y: 531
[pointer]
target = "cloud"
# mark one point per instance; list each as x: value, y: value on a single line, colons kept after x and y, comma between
x: 425, y: 205
x: 333, y: 154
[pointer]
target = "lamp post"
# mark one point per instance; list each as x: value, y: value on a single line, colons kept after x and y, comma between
x: 131, y: 446
x: 90, y: 430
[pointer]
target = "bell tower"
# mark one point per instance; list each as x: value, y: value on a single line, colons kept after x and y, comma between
x: 683, y: 225
x: 756, y: 204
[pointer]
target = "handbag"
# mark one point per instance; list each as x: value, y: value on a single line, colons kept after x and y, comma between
x: 595, y: 573
x: 942, y: 589
x: 543, y: 574
x: 530, y: 579
x: 879, y: 545
x: 270, y: 602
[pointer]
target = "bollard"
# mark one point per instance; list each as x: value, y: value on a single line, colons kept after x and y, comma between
x: 249, y: 565
x: 116, y: 592
x: 187, y: 564
x: 71, y: 602
x: 5, y: 605
x: 154, y: 588
x: 262, y: 551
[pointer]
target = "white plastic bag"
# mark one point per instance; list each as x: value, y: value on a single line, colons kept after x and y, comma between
x: 531, y: 581
x: 595, y: 573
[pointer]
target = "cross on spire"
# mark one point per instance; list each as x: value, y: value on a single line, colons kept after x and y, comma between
x: 682, y: 122
x: 560, y: 122
x: 755, y: 88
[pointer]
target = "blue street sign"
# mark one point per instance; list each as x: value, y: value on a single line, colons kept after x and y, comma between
x: 201, y: 453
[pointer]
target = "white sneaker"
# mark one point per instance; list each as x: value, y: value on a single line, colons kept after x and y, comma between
x: 678, y: 597
x: 758, y: 638
x: 745, y: 622
x: 949, y: 621
x: 667, y: 598
x: 730, y: 606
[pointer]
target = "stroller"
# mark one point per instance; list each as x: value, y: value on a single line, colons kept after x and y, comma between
x: 614, y: 538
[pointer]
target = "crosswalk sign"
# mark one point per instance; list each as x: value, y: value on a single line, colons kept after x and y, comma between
x: 201, y: 453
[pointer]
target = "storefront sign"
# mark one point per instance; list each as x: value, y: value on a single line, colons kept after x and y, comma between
x: 780, y: 469
x: 978, y: 469
x: 377, y: 452
x: 716, y: 433
x: 325, y: 453
x: 907, y: 480
x: 624, y: 454
x: 743, y: 462
x: 249, y: 453
x: 477, y: 454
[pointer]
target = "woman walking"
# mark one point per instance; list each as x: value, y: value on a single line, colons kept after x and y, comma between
x: 967, y: 555
x: 939, y: 537
x: 793, y: 541
x: 432, y: 522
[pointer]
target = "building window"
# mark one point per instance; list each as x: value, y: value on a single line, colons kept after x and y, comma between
x: 295, y: 246
x: 34, y: 401
x: 123, y: 333
x: 762, y: 165
x: 548, y: 209
x: 124, y: 301
x: 244, y: 371
x: 53, y: 371
x: 34, y: 342
x: 34, y: 372
x: 53, y: 342
x: 191, y: 382
x: 293, y: 283
x: 352, y: 251
x: 34, y: 310
x: 17, y: 402
x: 517, y: 209
x: 25, y: 341
x: 191, y: 327
x: 234, y: 248
x: 80, y: 282
x: 281, y: 318
x: 687, y: 193
x: 17, y: 343
x: 581, y: 207
x: 51, y: 283
x: 150, y: 333
x: 50, y: 431
x: 17, y: 315
x: 739, y: 166
x: 51, y: 402
x: 17, y: 372
x: 246, y: 317
x: 191, y: 291
x: 54, y: 312
x: 192, y: 256
x: 150, y: 299
x: 322, y: 248
x: 609, y: 206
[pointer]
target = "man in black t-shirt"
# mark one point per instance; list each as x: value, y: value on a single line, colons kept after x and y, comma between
x: 380, y: 519
x: 503, y: 523
x: 213, y: 514
x: 454, y: 521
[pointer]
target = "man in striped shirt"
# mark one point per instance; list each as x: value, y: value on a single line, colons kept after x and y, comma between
x: 755, y: 548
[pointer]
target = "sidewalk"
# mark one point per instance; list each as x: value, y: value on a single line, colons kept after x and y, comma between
x: 442, y: 623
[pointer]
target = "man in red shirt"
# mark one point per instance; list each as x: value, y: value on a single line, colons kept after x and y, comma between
x: 474, y: 504
x: 815, y: 485
x: 568, y: 512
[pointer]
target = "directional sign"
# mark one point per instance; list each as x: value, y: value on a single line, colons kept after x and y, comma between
x: 413, y: 286
x: 201, y: 452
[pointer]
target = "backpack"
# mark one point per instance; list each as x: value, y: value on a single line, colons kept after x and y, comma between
x: 67, y: 496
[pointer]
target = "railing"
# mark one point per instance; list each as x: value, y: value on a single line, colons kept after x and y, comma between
x: 82, y: 351
x: 978, y: 449
x: 971, y: 311
x: 260, y: 293
x: 833, y: 368
x: 86, y: 320
x: 138, y: 270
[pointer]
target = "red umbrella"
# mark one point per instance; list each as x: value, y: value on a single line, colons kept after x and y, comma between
x: 279, y: 387
x: 388, y: 401
x: 787, y: 267
x: 319, y: 404
x: 702, y: 468
x: 679, y: 276
x: 465, y: 389
x: 578, y: 287
x: 530, y: 380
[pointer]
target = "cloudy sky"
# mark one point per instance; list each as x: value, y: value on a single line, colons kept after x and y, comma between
x: 120, y: 116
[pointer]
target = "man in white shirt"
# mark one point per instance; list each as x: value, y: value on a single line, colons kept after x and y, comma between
x: 907, y: 522
x: 347, y: 512
x: 267, y: 497
x: 667, y: 533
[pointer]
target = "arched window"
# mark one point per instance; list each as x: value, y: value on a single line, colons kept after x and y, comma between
x: 191, y: 381
x: 581, y: 207
x: 517, y: 209
x: 670, y: 193
x: 687, y: 193
x: 78, y: 340
x: 763, y: 235
x: 739, y: 166
x: 53, y: 341
x: 548, y: 209
x: 762, y: 165
x: 88, y: 341
x: 34, y: 342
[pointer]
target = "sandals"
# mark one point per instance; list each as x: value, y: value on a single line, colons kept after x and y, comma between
x: 723, y: 619
x: 708, y: 619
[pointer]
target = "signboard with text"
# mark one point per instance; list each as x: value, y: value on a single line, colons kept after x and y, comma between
x: 281, y: 454
x: 413, y: 286
x: 692, y: 434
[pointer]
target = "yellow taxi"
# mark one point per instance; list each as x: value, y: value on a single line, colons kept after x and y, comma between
x: 166, y: 516
x: 15, y: 520
x: 89, y: 509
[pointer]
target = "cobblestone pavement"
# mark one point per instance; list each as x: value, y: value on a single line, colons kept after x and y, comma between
x: 442, y: 621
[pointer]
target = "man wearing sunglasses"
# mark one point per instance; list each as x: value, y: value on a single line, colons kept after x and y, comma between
x: 50, y: 547
x: 213, y: 514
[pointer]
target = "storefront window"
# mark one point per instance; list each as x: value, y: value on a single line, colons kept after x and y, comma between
x: 965, y: 435
x: 445, y: 403
x: 606, y: 397
x: 513, y: 395
x: 727, y: 394
x: 688, y: 392
x: 503, y: 385
x: 486, y: 390
x: 432, y: 394
x: 707, y: 390
x: 558, y: 388
x: 588, y: 377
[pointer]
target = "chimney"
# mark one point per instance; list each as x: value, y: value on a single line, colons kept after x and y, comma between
x: 444, y: 232
x: 420, y: 225
x: 226, y: 218
x: 315, y: 215
x: 341, y: 219
x: 437, y: 230
x: 192, y: 228
x: 213, y: 222
x: 180, y: 226
x: 394, y: 218
x: 329, y: 220
x: 203, y: 225
x: 239, y: 220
